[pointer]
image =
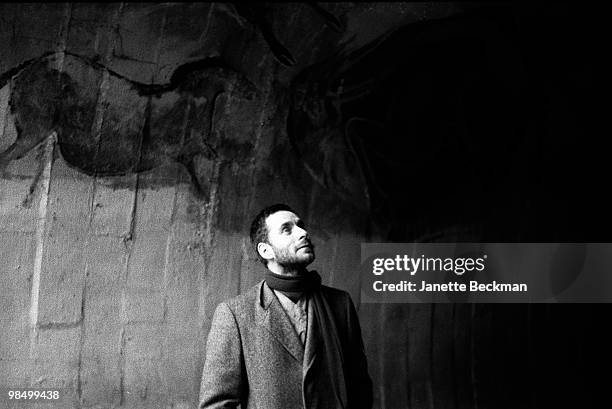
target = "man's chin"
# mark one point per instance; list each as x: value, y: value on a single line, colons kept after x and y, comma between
x: 310, y: 260
x: 301, y: 263
x: 305, y: 261
x: 309, y: 257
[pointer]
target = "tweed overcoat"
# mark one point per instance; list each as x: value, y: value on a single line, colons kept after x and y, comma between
x: 254, y: 357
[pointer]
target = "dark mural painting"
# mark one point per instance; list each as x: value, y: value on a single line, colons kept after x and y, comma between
x: 392, y: 122
x: 143, y: 126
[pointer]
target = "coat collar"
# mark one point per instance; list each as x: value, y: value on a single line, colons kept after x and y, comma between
x: 274, y: 319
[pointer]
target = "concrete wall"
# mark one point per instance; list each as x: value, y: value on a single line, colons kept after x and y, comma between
x: 108, y: 293
x: 108, y: 284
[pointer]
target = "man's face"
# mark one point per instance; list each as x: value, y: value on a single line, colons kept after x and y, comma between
x: 289, y: 240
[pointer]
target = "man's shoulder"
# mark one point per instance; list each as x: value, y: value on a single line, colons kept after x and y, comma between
x: 245, y: 301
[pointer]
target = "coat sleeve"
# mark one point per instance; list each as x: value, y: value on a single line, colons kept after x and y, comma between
x: 223, y: 377
x: 359, y: 387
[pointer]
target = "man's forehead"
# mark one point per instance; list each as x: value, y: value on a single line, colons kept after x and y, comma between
x: 280, y: 217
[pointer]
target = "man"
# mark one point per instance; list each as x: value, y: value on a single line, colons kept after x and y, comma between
x: 288, y: 342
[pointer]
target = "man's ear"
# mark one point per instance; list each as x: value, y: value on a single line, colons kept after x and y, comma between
x: 265, y: 251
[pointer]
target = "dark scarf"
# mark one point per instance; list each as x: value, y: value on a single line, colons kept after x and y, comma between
x: 294, y: 287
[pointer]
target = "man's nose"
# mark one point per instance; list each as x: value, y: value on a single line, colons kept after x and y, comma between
x: 301, y: 233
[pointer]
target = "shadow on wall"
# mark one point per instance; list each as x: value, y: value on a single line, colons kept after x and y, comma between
x: 464, y: 121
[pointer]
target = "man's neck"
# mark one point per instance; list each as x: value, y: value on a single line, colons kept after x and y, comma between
x: 285, y: 270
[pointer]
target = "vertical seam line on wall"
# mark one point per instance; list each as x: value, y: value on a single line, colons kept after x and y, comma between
x: 170, y: 233
x: 5, y: 114
x: 40, y: 228
x: 212, y: 204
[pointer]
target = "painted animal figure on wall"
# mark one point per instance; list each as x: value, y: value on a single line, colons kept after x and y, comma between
x: 108, y: 125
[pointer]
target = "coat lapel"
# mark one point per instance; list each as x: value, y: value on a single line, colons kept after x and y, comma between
x: 313, y: 338
x: 274, y: 319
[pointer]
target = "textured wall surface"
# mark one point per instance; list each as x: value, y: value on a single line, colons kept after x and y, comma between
x: 138, y: 141
x: 111, y: 268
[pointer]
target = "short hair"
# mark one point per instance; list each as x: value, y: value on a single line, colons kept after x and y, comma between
x: 259, y: 228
